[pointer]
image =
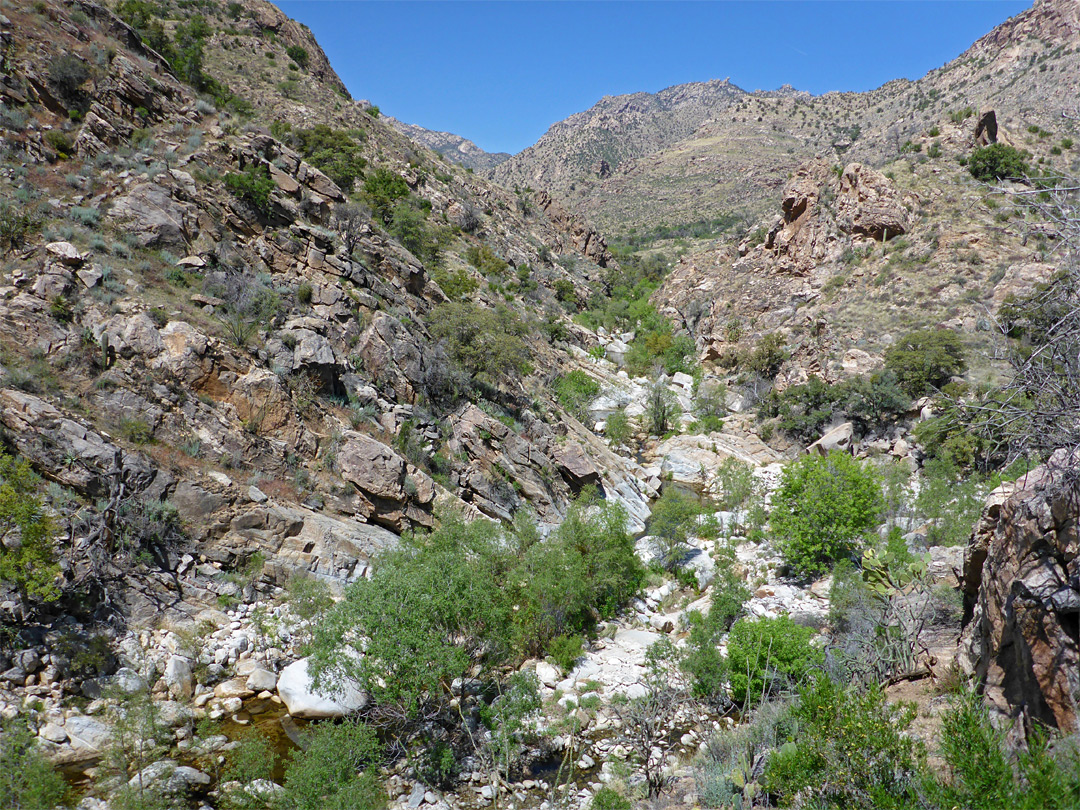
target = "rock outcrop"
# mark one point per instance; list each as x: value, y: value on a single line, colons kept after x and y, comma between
x: 1022, y: 597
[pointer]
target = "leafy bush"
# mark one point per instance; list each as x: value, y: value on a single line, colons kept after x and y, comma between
x: 575, y: 391
x: 607, y: 798
x: 252, y: 185
x: 925, y: 360
x: 299, y: 55
x: 457, y: 284
x: 485, y: 260
x: 768, y: 355
x: 768, y: 656
x: 997, y: 161
x: 31, y: 564
x: 565, y: 651
x: 67, y: 74
x: 702, y: 661
x: 804, y: 410
x: 674, y: 518
x: 617, y: 428
x: 851, y: 750
x: 662, y: 410
x: 383, y: 188
x: 983, y: 772
x: 336, y: 769
x: 60, y: 142
x: 487, y: 344
x: 824, y: 505
x: 27, y: 780
x: 334, y: 152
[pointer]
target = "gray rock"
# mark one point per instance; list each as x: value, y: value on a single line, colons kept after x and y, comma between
x: 296, y: 690
x: 262, y: 680
x: 178, y: 676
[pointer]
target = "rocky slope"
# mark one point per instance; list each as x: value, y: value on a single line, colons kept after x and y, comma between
x: 454, y: 148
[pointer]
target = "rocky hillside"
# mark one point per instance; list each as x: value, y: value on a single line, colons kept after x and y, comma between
x: 712, y: 150
x: 454, y: 148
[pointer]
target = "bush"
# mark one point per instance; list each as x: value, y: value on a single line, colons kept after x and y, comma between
x: 575, y: 391
x: 16, y: 223
x: 60, y: 142
x: 768, y: 356
x: 298, y: 55
x: 925, y: 360
x: 485, y: 260
x: 27, y: 780
x: 824, y: 505
x: 31, y: 564
x: 383, y: 188
x: 674, y: 518
x: 253, y: 185
x: 609, y: 799
x: 336, y: 769
x: 334, y: 152
x: 702, y: 661
x: 662, y: 410
x: 851, y: 750
x: 617, y: 428
x: 67, y: 74
x: 983, y: 772
x: 768, y: 656
x: 997, y: 162
x: 304, y: 293
x: 486, y: 344
x: 565, y: 651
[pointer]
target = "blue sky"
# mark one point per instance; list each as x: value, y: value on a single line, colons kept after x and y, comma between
x: 500, y: 73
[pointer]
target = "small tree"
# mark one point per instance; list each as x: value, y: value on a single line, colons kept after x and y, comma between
x: 998, y: 161
x: 27, y: 780
x: 824, y: 505
x: 27, y: 553
x: 925, y: 360
x: 662, y: 409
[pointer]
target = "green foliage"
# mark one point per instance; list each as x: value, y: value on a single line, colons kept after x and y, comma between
x: 575, y: 391
x: 457, y: 284
x: 851, y: 750
x: 27, y: 555
x: 464, y: 600
x: 607, y: 798
x: 997, y: 161
x: 299, y: 55
x: 674, y: 519
x: 736, y: 480
x: 662, y: 410
x: 67, y: 74
x: 253, y: 185
x: 336, y: 769
x: 617, y: 429
x: 925, y: 360
x: 804, y: 410
x: 17, y: 222
x: 565, y: 651
x: 60, y: 142
x: 253, y: 759
x: 307, y: 595
x: 702, y: 661
x: 27, y: 780
x: 485, y: 260
x: 382, y: 189
x: 823, y: 508
x: 508, y: 716
x: 486, y: 344
x: 983, y: 772
x: 768, y: 355
x: 334, y: 152
x: 768, y: 656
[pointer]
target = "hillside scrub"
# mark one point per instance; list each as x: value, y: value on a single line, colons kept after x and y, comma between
x: 925, y: 360
x: 823, y: 509
x: 470, y: 598
x: 486, y: 344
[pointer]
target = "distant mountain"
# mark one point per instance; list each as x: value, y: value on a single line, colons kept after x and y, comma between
x: 453, y: 147
x: 711, y: 150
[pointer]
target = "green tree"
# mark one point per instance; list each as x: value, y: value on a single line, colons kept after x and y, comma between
x: 299, y: 55
x: 997, y: 161
x: 824, y: 506
x: 383, y: 188
x: 252, y: 185
x: 27, y: 552
x: 27, y: 780
x: 925, y: 360
x: 674, y: 518
x: 767, y: 656
x: 335, y: 769
x: 487, y: 344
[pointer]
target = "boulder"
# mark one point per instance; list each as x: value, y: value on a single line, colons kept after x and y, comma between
x: 150, y: 214
x: 178, y: 676
x: 986, y: 128
x: 837, y: 438
x: 1021, y: 587
x: 65, y: 252
x: 297, y: 692
x: 262, y: 680
x: 869, y: 205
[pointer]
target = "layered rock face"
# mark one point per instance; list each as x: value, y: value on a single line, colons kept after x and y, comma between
x: 1022, y: 596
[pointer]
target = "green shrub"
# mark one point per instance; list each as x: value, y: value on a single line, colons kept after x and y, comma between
x: 60, y: 142
x: 674, y: 518
x: 253, y: 185
x: 27, y: 780
x: 383, y: 188
x: 575, y: 391
x: 617, y: 429
x: 298, y: 55
x: 565, y: 651
x: 304, y: 293
x: 67, y: 74
x: 851, y: 750
x: 31, y: 564
x: 336, y: 769
x: 17, y: 222
x: 768, y: 656
x: 609, y: 799
x: 485, y: 260
x: 334, y: 152
x: 457, y: 284
x: 925, y: 360
x: 997, y: 161
x: 487, y: 344
x: 768, y: 355
x: 984, y: 772
x: 824, y: 506
x: 253, y: 759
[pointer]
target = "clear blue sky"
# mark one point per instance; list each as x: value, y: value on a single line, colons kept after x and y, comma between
x: 500, y: 73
